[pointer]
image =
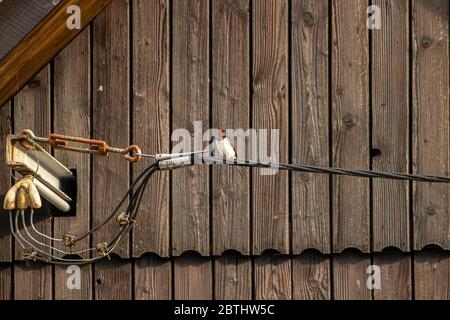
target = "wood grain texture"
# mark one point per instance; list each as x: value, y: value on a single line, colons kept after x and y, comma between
x: 230, y: 109
x: 5, y: 184
x: 153, y: 278
x: 309, y: 125
x: 432, y: 275
x: 32, y: 281
x: 350, y: 122
x: 111, y: 115
x: 272, y: 277
x: 396, y: 276
x: 112, y: 279
x: 390, y: 124
x: 32, y: 110
x: 233, y: 277
x: 190, y: 94
x: 193, y: 277
x: 431, y: 120
x: 350, y: 276
x: 151, y: 121
x: 29, y: 13
x: 23, y: 62
x: 72, y: 116
x: 270, y: 194
x: 311, y: 277
x: 6, y: 281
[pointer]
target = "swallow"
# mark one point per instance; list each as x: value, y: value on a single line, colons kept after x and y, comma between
x: 224, y: 146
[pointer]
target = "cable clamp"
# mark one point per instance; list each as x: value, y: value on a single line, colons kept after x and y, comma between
x: 68, y: 240
x: 102, y: 249
x: 124, y: 219
x: 29, y: 254
x: 171, y: 164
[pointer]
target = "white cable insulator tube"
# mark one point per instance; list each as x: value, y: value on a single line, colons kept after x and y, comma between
x: 51, y: 196
x: 171, y: 164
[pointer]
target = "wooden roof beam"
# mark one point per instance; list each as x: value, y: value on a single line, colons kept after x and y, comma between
x: 43, y: 43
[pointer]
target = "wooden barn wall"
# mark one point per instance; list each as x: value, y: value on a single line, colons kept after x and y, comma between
x: 309, y: 276
x: 341, y: 95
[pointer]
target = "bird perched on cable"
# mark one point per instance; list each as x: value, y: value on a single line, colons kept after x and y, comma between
x: 224, y: 146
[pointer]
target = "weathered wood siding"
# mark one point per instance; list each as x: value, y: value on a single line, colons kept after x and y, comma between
x: 341, y: 95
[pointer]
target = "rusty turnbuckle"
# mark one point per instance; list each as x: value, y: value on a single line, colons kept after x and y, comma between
x: 96, y: 147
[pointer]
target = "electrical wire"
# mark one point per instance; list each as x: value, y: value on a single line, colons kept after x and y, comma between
x: 40, y: 233
x: 331, y: 170
x: 135, y: 193
x: 148, y: 171
x: 11, y: 225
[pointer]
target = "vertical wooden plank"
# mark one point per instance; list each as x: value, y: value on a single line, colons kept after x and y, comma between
x: 5, y: 281
x: 110, y: 114
x: 193, y: 277
x: 230, y: 109
x: 432, y: 275
x: 112, y: 279
x: 350, y: 118
x: 190, y: 202
x: 111, y: 121
x: 32, y: 281
x: 396, y: 277
x: 32, y: 110
x: 350, y: 276
x: 72, y: 116
x: 273, y: 277
x: 233, y: 277
x: 309, y: 122
x: 5, y: 184
x: 311, y: 276
x: 151, y: 119
x: 153, y: 278
x: 431, y: 120
x: 390, y: 124
x: 270, y: 111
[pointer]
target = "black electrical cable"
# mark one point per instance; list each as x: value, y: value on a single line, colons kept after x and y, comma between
x: 135, y: 193
x: 137, y: 189
x: 330, y: 170
x: 148, y: 171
